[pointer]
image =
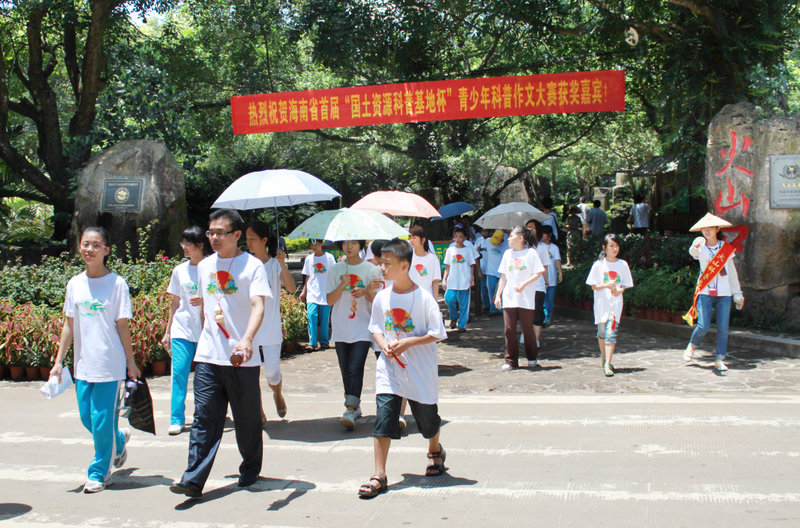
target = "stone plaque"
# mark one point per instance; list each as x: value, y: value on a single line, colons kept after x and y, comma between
x: 784, y: 181
x: 122, y: 196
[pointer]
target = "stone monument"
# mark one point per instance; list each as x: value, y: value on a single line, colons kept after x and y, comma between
x: 740, y: 164
x: 128, y: 186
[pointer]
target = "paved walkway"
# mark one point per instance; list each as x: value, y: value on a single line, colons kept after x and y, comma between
x: 659, y: 444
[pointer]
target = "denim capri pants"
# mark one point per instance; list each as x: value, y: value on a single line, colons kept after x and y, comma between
x: 388, y: 415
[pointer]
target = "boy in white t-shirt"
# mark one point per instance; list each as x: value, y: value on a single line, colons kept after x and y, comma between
x: 458, y: 279
x: 554, y: 272
x: 315, y: 269
x: 406, y: 324
x: 233, y: 286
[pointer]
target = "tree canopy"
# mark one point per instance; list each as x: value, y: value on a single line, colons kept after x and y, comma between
x: 79, y: 75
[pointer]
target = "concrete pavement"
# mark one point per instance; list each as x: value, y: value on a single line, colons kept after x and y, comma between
x: 659, y: 444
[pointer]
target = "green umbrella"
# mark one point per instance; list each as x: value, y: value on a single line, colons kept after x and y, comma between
x: 348, y: 224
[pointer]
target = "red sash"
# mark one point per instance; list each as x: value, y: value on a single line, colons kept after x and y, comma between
x: 715, y: 265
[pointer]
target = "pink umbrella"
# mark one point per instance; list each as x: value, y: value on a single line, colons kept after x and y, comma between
x: 397, y: 203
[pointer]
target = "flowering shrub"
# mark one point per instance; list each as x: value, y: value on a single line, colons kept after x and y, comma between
x: 29, y: 335
x: 150, y: 314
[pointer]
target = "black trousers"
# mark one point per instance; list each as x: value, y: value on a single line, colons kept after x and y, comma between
x: 214, y: 387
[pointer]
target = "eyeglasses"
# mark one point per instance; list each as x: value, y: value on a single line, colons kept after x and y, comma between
x: 86, y: 245
x: 218, y: 234
x: 186, y: 244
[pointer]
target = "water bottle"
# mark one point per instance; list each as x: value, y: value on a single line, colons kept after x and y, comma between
x: 127, y: 399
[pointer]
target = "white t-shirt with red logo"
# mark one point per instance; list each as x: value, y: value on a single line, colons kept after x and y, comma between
x: 460, y: 261
x: 350, y: 316
x: 519, y: 266
x: 424, y: 270
x: 605, y: 303
x: 229, y: 284
x: 397, y: 316
x: 316, y: 269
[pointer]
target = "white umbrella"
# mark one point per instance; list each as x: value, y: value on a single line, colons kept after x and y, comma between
x: 274, y: 188
x: 348, y: 224
x: 508, y: 215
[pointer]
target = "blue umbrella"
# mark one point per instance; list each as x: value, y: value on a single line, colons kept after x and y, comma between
x: 454, y: 209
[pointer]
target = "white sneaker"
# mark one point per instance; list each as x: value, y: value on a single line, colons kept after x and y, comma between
x: 93, y: 486
x: 120, y: 460
x: 538, y: 344
x: 349, y: 418
x: 506, y: 367
x: 175, y: 429
x: 720, y: 366
x: 401, y: 422
x: 532, y: 363
x: 688, y: 354
x: 522, y: 338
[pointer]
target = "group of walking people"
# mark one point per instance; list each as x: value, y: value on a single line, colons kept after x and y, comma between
x: 225, y: 317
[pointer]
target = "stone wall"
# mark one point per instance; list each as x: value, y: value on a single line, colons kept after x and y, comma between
x: 740, y: 141
x: 163, y: 195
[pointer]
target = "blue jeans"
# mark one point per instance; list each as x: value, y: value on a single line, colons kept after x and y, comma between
x: 97, y: 406
x: 723, y: 307
x: 318, y: 316
x: 492, y: 287
x: 352, y: 358
x: 458, y: 305
x: 549, y: 301
x: 182, y: 356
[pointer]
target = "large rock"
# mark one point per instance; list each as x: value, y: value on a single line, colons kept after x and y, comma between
x: 740, y: 142
x: 163, y: 195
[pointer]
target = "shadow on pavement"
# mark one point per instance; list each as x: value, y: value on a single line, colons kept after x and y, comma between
x: 299, y: 487
x: 328, y: 429
x: 446, y: 480
x: 629, y: 370
x: 9, y: 510
x: 452, y: 370
x: 125, y: 480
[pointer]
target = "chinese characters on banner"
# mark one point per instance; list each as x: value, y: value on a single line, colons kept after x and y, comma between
x: 558, y: 93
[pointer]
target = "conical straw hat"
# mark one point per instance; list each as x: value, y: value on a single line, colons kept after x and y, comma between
x: 710, y: 220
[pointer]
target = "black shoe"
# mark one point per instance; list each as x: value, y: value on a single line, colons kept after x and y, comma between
x: 186, y: 488
x: 249, y: 481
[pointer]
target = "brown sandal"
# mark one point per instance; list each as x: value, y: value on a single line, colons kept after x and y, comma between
x: 370, y: 490
x: 435, y: 470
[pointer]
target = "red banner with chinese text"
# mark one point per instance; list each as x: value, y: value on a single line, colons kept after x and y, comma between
x: 556, y: 93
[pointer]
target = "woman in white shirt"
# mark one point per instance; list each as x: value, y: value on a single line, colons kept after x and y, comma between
x: 185, y: 321
x: 97, y: 308
x: 263, y: 244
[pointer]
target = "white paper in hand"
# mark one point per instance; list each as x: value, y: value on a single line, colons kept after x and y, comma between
x: 53, y: 388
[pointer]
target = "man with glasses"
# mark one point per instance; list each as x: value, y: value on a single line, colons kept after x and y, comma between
x: 233, y: 286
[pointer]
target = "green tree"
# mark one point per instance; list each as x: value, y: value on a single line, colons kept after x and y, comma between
x: 52, y: 71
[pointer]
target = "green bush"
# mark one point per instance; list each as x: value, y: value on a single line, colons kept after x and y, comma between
x: 297, y: 245
x: 294, y: 317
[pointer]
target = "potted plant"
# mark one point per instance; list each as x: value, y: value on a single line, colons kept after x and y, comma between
x: 159, y: 358
x: 147, y: 326
x: 295, y: 322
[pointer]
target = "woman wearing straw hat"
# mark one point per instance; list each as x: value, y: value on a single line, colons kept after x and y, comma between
x: 718, y: 282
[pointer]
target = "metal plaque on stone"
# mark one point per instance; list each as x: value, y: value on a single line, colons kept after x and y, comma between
x: 122, y: 196
x: 784, y: 181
